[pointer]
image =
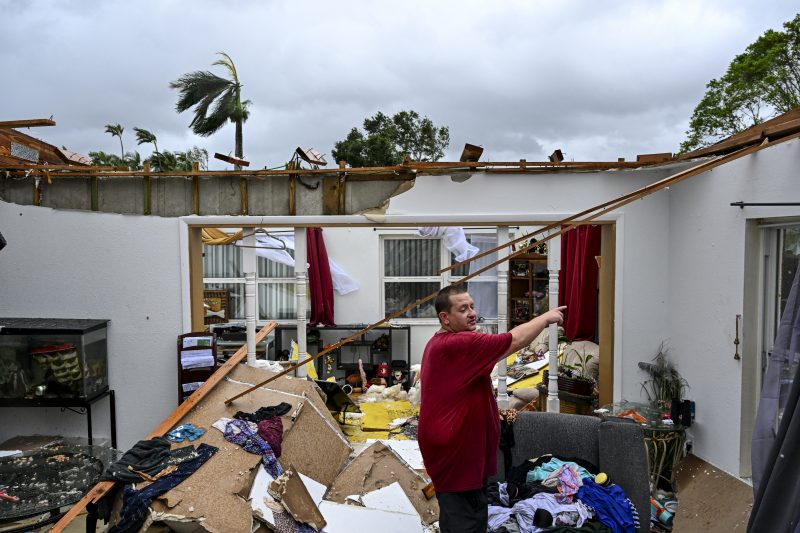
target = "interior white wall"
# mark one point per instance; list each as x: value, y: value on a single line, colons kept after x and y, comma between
x: 72, y: 264
x: 706, y: 285
x: 642, y: 240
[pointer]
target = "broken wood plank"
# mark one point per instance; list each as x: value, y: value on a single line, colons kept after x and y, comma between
x: 28, y: 123
x: 231, y: 160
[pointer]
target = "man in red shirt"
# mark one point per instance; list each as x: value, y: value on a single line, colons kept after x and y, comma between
x: 459, y: 425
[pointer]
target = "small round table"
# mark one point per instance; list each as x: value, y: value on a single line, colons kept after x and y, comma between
x: 664, y: 441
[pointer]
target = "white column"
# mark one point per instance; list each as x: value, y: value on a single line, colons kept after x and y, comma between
x: 250, y: 296
x: 502, y: 313
x: 553, y: 266
x: 301, y: 292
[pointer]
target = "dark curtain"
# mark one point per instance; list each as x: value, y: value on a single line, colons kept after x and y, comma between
x: 577, y: 281
x: 320, y: 286
x: 775, y: 456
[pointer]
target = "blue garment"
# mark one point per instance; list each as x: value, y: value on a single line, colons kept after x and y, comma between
x: 185, y: 431
x: 136, y: 503
x: 541, y: 472
x: 610, y: 504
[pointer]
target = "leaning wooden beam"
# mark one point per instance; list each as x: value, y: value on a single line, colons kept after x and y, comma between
x: 168, y: 423
x: 30, y: 123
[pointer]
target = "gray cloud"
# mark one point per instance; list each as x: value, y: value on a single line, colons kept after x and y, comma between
x: 598, y: 80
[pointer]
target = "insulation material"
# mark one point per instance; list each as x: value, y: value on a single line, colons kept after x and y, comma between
x: 345, y: 518
x: 391, y: 498
x: 408, y: 450
x: 377, y: 467
x: 290, y: 490
x: 212, y: 496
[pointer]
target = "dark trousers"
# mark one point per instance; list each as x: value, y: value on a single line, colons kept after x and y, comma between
x: 463, y: 512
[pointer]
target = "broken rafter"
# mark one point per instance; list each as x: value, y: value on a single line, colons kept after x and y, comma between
x: 29, y: 123
x: 570, y: 222
x: 97, y: 492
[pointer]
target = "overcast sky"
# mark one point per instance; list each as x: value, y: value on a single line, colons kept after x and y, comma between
x: 599, y: 80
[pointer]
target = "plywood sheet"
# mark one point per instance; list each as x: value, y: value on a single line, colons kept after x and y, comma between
x: 290, y: 490
x: 377, y: 467
x: 212, y: 494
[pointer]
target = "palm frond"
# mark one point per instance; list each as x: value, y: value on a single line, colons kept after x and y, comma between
x: 195, y: 86
x: 144, y: 136
x: 115, y: 129
x: 219, y: 115
x: 227, y: 62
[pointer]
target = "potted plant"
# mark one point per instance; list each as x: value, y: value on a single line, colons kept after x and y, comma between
x: 575, y: 377
x: 664, y: 384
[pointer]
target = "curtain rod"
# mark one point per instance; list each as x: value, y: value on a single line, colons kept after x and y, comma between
x: 742, y: 205
x: 465, y: 228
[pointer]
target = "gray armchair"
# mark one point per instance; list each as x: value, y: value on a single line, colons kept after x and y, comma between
x: 616, y: 446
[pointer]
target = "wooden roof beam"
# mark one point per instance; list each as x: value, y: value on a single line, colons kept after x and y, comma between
x: 30, y: 123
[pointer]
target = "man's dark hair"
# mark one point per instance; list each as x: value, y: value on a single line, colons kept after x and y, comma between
x: 442, y: 302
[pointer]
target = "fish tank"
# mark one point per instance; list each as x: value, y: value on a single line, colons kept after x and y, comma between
x: 53, y: 358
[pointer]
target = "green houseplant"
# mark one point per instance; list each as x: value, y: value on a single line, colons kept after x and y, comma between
x: 664, y: 383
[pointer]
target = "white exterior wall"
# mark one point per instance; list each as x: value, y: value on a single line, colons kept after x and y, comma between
x: 706, y: 285
x: 72, y: 264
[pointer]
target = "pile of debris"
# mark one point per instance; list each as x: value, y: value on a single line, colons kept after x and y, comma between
x: 323, y: 485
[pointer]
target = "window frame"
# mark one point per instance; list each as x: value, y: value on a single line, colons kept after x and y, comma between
x: 444, y: 279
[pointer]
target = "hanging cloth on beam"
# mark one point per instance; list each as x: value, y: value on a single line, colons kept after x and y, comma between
x: 216, y: 236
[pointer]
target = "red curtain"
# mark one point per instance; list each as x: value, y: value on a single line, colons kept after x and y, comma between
x: 320, y: 286
x: 577, y: 281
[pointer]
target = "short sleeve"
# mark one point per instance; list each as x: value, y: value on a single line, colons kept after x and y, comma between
x: 483, y: 350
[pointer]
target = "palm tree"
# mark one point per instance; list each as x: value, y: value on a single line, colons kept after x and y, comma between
x: 116, y: 131
x: 200, y: 89
x: 144, y: 136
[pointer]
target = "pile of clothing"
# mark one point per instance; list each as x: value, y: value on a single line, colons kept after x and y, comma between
x: 559, y: 494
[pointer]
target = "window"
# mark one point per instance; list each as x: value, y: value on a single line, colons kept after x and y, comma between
x: 410, y: 272
x: 782, y: 246
x: 223, y: 270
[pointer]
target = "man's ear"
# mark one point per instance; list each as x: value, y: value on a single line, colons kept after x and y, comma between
x: 443, y: 317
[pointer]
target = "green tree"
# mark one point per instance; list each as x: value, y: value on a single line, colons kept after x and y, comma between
x: 200, y: 89
x: 760, y: 83
x: 131, y: 160
x: 144, y: 136
x: 386, y: 140
x: 116, y: 131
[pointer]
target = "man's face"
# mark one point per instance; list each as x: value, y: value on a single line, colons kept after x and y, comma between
x: 462, y: 316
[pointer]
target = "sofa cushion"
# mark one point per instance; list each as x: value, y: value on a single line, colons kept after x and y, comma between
x: 623, y: 456
x: 536, y: 434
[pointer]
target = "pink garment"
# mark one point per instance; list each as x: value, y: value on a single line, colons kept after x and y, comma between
x: 271, y: 430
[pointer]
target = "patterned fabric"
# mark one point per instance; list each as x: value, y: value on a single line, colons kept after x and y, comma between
x: 567, y: 480
x: 136, y: 503
x: 241, y: 432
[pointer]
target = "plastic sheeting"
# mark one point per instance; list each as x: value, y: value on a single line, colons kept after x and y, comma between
x: 271, y: 248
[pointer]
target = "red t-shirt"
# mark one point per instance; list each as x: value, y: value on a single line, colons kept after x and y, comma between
x: 459, y: 426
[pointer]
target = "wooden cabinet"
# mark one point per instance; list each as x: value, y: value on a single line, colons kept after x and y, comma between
x: 528, y: 288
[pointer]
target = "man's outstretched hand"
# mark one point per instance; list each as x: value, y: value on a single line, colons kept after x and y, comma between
x: 555, y: 316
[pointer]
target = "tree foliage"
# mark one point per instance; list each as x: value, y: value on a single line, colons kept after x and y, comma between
x: 116, y: 131
x: 760, y: 83
x: 201, y: 89
x: 385, y: 140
